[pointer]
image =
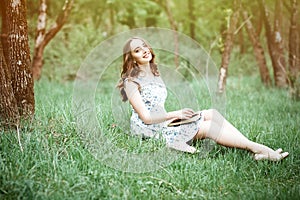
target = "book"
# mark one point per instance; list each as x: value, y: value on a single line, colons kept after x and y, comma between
x: 178, y: 122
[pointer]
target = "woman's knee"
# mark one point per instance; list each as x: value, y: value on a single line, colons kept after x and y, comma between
x: 210, y: 113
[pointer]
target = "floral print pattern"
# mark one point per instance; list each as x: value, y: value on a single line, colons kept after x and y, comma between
x: 154, y: 94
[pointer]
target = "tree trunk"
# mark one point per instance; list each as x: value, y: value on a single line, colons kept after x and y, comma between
x: 258, y: 51
x: 37, y: 62
x: 275, y: 43
x: 192, y: 18
x: 228, y: 47
x: 294, y: 44
x: 294, y: 53
x: 278, y: 39
x: 43, y: 38
x: 260, y: 22
x: 17, y: 96
x: 9, y: 114
x: 111, y: 29
x: 19, y: 57
x: 4, y: 32
x: 241, y: 42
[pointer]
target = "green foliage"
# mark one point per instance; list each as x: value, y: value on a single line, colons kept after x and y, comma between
x: 65, y: 53
x: 93, y: 21
x: 55, y: 165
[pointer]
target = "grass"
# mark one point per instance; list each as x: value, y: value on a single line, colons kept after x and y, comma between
x: 55, y: 164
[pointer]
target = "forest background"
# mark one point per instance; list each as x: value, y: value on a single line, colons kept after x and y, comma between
x: 91, y: 22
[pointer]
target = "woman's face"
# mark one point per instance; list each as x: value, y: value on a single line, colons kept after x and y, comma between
x: 140, y: 52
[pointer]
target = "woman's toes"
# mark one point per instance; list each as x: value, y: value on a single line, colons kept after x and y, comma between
x: 280, y: 157
x: 284, y: 155
x: 279, y: 150
x: 277, y: 157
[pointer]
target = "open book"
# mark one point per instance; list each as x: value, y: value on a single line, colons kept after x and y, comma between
x: 178, y: 122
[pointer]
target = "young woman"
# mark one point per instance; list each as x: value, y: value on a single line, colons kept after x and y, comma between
x: 142, y: 85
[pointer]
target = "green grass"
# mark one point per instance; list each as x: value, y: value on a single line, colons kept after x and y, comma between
x: 55, y: 164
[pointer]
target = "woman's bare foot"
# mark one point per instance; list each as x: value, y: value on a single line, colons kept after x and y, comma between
x: 182, y: 146
x: 272, y: 156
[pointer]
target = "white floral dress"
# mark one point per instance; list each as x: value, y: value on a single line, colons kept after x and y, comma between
x: 154, y: 94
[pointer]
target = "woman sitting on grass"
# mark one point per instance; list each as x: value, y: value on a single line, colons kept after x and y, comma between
x: 142, y: 85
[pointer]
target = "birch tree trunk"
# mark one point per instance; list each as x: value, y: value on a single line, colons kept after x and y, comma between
x: 43, y: 37
x: 37, y: 61
x: 228, y: 47
x: 258, y: 51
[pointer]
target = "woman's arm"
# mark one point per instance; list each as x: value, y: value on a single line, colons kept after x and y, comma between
x: 147, y: 116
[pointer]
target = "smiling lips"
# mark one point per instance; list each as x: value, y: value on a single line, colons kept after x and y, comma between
x: 146, y: 55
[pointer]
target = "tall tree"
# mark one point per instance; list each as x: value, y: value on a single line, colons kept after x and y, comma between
x: 228, y: 46
x: 294, y: 42
x: 192, y: 18
x: 43, y: 37
x: 275, y: 42
x: 17, y: 94
x: 294, y: 52
x: 258, y: 19
x: 279, y: 45
x: 258, y: 50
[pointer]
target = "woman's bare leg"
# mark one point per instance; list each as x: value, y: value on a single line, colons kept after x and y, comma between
x: 217, y: 128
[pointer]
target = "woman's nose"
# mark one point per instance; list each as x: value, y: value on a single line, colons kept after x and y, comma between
x: 145, y: 48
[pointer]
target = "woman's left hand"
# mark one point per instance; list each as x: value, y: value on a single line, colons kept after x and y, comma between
x: 186, y: 113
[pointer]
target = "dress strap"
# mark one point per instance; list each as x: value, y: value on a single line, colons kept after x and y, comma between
x: 134, y: 81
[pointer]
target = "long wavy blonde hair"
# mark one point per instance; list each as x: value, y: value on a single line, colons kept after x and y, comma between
x: 130, y: 69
